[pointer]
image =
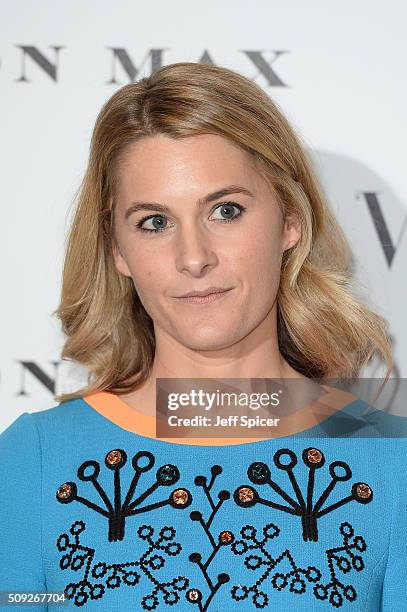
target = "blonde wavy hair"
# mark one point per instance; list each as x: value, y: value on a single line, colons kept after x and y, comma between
x: 324, y: 330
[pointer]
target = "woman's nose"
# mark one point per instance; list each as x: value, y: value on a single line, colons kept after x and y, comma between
x: 194, y: 251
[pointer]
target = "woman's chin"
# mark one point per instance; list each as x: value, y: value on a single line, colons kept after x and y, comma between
x: 209, y: 340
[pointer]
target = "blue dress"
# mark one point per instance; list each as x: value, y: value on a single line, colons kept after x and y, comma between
x: 111, y: 520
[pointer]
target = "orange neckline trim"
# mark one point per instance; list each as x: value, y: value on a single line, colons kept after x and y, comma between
x: 116, y: 410
x: 113, y: 408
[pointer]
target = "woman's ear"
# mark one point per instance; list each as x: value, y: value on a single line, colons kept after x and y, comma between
x: 291, y: 232
x: 119, y: 260
x: 118, y: 257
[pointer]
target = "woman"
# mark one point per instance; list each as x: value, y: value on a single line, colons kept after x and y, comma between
x: 197, y: 183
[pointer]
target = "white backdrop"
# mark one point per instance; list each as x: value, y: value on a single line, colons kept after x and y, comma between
x: 336, y: 70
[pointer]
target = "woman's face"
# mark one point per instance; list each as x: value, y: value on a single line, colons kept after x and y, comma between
x: 232, y: 240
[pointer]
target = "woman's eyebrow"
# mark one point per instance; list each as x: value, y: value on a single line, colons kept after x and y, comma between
x: 211, y: 197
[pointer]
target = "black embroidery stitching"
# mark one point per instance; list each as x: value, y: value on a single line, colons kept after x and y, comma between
x: 117, y: 512
x: 115, y: 574
x: 225, y: 537
x: 297, y: 584
x: 344, y: 564
x: 245, y: 496
x: 260, y: 473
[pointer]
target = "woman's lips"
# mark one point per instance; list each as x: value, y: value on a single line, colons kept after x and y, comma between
x: 204, y: 299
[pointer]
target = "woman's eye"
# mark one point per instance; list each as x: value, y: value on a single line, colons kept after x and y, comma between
x: 159, y: 222
x: 226, y: 208
x: 157, y: 227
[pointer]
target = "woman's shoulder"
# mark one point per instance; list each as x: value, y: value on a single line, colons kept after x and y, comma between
x: 356, y: 417
x: 26, y: 428
x: 68, y: 411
